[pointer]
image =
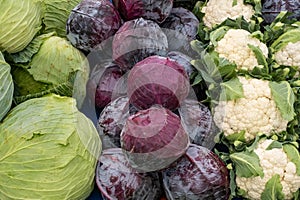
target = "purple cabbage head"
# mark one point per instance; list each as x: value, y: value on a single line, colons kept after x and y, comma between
x: 117, y: 180
x: 198, y: 123
x: 199, y: 174
x: 102, y: 83
x: 137, y: 39
x: 152, y: 139
x: 271, y: 8
x: 184, y: 60
x: 157, y: 10
x: 91, y: 23
x: 112, y: 120
x: 157, y: 80
x: 180, y: 27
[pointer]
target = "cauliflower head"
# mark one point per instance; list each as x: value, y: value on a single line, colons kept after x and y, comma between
x: 217, y: 11
x: 234, y: 47
x: 289, y: 55
x: 273, y: 161
x: 255, y: 113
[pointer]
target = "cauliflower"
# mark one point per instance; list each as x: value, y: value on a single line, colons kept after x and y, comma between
x: 255, y: 113
x: 217, y: 11
x: 273, y: 161
x: 234, y: 47
x: 289, y: 55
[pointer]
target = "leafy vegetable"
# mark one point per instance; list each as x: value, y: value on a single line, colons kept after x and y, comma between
x: 48, y: 150
x: 116, y: 179
x: 180, y: 28
x: 156, y: 11
x: 247, y: 164
x: 231, y: 90
x: 271, y: 9
x: 293, y: 154
x: 147, y: 83
x: 6, y: 87
x: 20, y: 22
x: 261, y: 59
x: 273, y: 189
x: 56, y: 13
x: 199, y: 174
x: 152, y: 139
x: 136, y: 40
x: 92, y: 24
x: 57, y: 67
x: 292, y: 35
x: 284, y: 98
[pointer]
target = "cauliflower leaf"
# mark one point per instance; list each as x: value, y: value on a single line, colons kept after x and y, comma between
x: 284, y: 98
x: 273, y: 189
x: 293, y: 154
x: 247, y: 164
x: 232, y: 89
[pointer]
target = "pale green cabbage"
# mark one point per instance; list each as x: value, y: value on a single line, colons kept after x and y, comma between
x: 20, y: 21
x: 6, y: 87
x: 56, y: 15
x: 48, y: 150
x: 50, y: 64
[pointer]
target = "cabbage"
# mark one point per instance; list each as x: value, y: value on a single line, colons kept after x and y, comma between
x: 152, y: 139
x: 48, y: 150
x: 136, y: 40
x: 117, y: 180
x: 199, y: 174
x: 50, y: 64
x: 6, y: 87
x: 20, y: 21
x: 92, y: 24
x: 148, y: 85
x: 157, y: 10
x: 56, y: 15
x: 271, y: 9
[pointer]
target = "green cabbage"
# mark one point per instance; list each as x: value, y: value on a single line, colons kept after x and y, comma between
x: 20, y: 21
x: 56, y: 15
x: 48, y: 150
x: 49, y: 64
x: 6, y: 87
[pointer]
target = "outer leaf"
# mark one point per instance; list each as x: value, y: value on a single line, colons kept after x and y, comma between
x: 48, y: 150
x: 6, y: 87
x: 26, y: 55
x: 273, y: 189
x: 56, y: 15
x: 293, y: 155
x: 292, y: 35
x: 232, y: 89
x: 247, y: 164
x: 261, y: 59
x: 237, y: 137
x: 284, y: 98
x: 273, y: 145
x: 57, y: 67
x: 218, y: 34
x: 20, y: 21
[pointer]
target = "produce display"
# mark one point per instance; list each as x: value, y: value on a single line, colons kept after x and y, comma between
x: 150, y: 100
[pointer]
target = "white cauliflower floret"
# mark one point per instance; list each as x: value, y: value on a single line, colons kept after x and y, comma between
x: 234, y: 47
x: 289, y: 55
x: 273, y: 161
x: 255, y: 113
x: 217, y: 11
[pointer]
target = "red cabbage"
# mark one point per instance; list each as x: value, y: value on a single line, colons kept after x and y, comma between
x: 137, y: 39
x: 157, y: 80
x: 199, y: 174
x: 156, y: 10
x: 152, y: 139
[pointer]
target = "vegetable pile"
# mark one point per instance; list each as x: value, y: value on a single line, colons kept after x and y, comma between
x: 150, y: 100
